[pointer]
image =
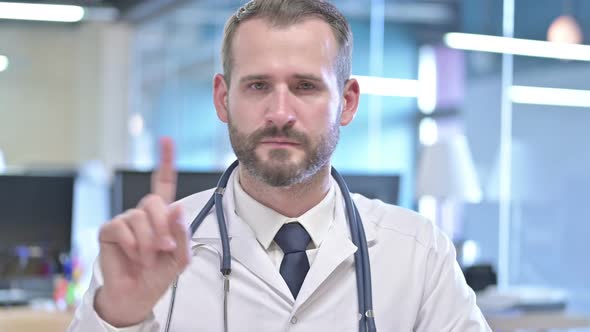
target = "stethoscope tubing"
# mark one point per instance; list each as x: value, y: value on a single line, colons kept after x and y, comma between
x: 358, y: 255
x: 361, y: 256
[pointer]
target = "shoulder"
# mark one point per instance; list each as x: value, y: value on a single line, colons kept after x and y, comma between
x: 196, y: 198
x: 192, y: 204
x: 394, y: 221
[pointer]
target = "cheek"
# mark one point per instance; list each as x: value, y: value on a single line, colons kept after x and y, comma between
x: 327, y: 114
x: 319, y: 122
x: 243, y: 115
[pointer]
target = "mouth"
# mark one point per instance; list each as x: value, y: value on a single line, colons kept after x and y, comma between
x: 279, y: 142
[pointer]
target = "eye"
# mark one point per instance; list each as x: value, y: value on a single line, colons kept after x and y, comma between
x: 258, y: 86
x: 305, y: 86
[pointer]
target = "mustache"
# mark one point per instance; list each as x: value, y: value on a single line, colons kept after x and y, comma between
x: 276, y: 132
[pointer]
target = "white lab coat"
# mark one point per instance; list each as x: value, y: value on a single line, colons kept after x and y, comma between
x: 417, y: 285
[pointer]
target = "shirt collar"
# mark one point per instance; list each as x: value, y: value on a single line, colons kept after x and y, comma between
x: 266, y: 222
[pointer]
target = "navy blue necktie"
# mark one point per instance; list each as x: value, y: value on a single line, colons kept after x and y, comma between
x: 293, y: 240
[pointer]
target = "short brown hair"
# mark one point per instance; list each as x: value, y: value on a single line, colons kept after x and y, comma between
x: 283, y: 13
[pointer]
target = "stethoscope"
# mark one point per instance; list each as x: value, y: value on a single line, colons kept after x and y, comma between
x: 361, y: 256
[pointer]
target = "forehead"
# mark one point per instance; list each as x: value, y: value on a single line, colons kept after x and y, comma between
x: 309, y: 45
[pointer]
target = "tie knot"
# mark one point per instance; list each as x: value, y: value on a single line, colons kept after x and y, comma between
x: 292, y: 237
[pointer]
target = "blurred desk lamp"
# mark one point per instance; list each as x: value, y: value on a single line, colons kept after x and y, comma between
x: 447, y: 178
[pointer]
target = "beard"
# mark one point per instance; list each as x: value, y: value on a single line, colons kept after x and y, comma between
x: 279, y: 170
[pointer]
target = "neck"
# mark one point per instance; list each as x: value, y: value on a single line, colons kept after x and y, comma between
x: 290, y: 201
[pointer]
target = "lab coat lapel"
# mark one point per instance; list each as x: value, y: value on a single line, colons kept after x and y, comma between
x: 244, y: 247
x: 248, y: 251
x: 334, y: 250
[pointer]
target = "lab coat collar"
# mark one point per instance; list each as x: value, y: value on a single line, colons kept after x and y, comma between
x: 335, y: 249
x: 210, y: 229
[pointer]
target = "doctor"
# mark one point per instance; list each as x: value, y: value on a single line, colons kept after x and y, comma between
x: 285, y: 92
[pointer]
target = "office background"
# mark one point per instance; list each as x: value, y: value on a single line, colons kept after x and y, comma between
x: 94, y: 96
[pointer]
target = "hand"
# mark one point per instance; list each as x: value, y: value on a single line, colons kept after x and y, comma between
x: 143, y: 250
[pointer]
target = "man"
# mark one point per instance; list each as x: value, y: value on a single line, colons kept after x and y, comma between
x: 285, y: 92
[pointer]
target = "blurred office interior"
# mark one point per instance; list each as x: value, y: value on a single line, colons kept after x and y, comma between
x: 463, y: 117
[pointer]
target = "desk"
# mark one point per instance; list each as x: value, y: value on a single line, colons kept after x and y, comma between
x: 27, y: 320
x: 537, y: 321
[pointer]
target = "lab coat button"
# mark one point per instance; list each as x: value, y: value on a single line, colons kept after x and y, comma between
x: 294, y: 320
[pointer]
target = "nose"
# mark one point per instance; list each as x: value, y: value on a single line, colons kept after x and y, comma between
x: 280, y: 111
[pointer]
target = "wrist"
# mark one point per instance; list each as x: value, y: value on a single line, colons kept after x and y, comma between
x: 119, y: 313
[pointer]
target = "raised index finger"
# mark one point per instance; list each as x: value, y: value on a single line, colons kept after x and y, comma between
x: 164, y: 178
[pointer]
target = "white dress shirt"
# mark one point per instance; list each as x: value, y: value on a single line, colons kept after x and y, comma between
x: 266, y: 222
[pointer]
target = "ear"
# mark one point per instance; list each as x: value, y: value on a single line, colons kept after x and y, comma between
x: 220, y: 95
x: 350, y: 101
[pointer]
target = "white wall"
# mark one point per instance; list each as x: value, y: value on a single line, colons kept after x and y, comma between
x: 64, y: 101
x: 64, y: 98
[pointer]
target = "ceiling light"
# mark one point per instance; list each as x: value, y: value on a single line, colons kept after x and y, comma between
x: 525, y: 47
x: 392, y: 87
x: 549, y: 96
x: 40, y: 12
x: 565, y: 29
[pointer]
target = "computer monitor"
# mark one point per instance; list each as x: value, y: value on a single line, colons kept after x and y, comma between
x: 130, y: 186
x: 36, y: 210
x: 380, y: 186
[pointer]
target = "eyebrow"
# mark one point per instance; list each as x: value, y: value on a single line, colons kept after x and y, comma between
x: 249, y: 78
x: 310, y: 77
